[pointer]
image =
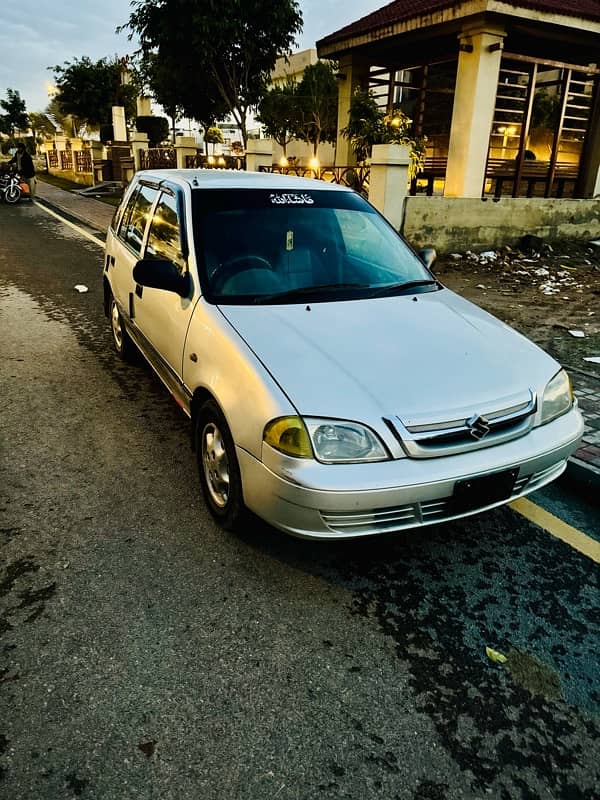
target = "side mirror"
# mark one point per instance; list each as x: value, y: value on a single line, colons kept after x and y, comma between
x: 428, y: 256
x: 161, y: 274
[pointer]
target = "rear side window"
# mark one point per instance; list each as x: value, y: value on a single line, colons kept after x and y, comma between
x: 164, y: 239
x: 135, y: 217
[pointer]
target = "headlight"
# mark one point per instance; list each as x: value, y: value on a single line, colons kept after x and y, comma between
x: 558, y: 397
x: 336, y: 441
x: 289, y: 436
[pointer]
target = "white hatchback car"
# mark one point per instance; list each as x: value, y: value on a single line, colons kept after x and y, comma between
x: 334, y: 386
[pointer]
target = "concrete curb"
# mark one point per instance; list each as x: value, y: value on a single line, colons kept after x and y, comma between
x: 70, y: 215
x: 583, y: 475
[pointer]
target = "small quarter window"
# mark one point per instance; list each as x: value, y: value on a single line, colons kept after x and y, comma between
x: 164, y: 239
x: 135, y: 218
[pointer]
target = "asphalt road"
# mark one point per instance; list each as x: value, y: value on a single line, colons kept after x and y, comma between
x: 146, y: 654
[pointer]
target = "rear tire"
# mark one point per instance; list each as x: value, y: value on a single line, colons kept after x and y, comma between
x: 218, y: 467
x: 122, y: 342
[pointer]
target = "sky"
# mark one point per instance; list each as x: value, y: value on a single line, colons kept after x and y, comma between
x: 36, y: 35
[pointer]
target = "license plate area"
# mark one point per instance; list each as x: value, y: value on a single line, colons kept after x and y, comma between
x: 478, y: 492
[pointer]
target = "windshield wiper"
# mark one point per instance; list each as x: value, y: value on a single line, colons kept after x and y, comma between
x: 307, y: 291
x: 402, y: 288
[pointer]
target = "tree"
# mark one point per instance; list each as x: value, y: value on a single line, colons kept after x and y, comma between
x: 182, y: 94
x: 317, y: 101
x: 40, y: 126
x: 223, y: 50
x: 65, y: 122
x: 278, y: 113
x: 157, y: 128
x: 87, y: 90
x: 15, y: 118
x: 369, y: 125
x: 213, y: 135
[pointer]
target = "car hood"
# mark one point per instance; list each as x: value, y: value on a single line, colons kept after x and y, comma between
x: 415, y: 356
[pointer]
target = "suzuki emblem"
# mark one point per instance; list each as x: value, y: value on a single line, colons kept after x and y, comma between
x: 478, y: 426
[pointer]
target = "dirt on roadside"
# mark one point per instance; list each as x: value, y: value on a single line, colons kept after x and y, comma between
x: 544, y: 290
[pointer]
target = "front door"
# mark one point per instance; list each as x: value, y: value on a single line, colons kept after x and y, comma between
x: 163, y: 317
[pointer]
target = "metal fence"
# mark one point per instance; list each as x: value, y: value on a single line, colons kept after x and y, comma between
x: 158, y: 158
x: 83, y: 161
x: 66, y: 159
x: 356, y: 178
x: 202, y: 161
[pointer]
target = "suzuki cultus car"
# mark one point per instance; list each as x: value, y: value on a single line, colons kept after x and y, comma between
x: 335, y: 387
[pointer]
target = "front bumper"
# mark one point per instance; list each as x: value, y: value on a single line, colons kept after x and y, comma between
x: 339, y: 501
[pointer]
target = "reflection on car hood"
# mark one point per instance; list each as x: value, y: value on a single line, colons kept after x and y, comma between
x: 365, y: 359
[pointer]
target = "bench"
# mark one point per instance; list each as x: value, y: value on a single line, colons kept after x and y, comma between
x: 434, y: 169
x: 503, y: 171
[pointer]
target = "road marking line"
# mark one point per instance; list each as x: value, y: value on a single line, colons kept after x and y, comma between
x: 573, y: 537
x: 70, y: 224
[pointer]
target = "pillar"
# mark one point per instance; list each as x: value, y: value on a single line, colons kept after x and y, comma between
x: 388, y: 181
x: 139, y: 143
x: 259, y: 153
x: 143, y: 106
x: 588, y: 184
x: 351, y: 74
x: 480, y: 52
x: 118, y: 124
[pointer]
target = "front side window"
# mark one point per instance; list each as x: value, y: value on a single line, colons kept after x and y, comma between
x: 164, y: 237
x: 281, y: 246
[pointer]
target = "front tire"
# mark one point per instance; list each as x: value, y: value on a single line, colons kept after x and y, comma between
x: 12, y: 194
x: 218, y: 467
x: 122, y: 343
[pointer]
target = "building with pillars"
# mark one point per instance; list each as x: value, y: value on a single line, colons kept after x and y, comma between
x: 506, y: 92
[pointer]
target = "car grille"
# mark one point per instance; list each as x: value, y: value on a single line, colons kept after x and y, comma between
x: 465, y: 433
x: 414, y: 515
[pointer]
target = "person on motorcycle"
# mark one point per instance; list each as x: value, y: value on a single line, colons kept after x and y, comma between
x: 24, y: 164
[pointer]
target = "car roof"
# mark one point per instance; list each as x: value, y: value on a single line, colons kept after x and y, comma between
x: 236, y: 179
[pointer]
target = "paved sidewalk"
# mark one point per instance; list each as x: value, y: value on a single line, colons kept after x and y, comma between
x: 86, y: 209
x: 586, y: 460
x: 585, y: 463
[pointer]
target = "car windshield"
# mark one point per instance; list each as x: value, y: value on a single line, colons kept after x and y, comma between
x: 285, y: 246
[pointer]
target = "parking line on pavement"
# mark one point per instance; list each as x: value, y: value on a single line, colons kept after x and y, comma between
x: 70, y: 224
x: 555, y: 526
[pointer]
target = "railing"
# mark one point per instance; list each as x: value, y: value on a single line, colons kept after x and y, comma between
x: 158, y: 158
x: 66, y: 159
x: 202, y: 161
x: 356, y: 178
x: 83, y: 161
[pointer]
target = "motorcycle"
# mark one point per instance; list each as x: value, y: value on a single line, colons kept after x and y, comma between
x: 11, y: 187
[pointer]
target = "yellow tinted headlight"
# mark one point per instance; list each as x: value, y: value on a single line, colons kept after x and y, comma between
x: 558, y: 397
x: 289, y: 436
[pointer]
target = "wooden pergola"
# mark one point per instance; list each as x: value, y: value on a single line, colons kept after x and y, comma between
x: 507, y: 93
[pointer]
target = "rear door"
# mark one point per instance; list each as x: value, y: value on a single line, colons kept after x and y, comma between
x: 127, y: 247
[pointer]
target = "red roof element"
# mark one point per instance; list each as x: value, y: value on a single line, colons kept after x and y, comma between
x: 401, y: 10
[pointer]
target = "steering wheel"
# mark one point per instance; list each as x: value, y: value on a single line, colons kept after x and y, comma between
x: 236, y: 265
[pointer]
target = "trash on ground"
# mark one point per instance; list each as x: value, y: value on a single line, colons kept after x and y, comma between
x: 592, y: 359
x: 577, y: 334
x: 548, y: 289
x: 480, y: 286
x: 79, y: 287
x: 495, y: 655
x: 542, y: 272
